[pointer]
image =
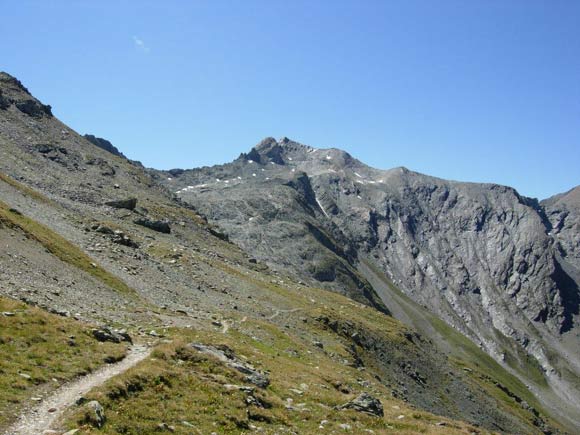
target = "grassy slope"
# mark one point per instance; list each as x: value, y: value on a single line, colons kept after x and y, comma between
x: 480, y: 366
x: 60, y: 247
x: 37, y: 344
x: 185, y: 389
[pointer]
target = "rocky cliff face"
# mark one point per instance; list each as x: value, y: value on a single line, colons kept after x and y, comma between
x: 499, y: 267
x: 563, y: 212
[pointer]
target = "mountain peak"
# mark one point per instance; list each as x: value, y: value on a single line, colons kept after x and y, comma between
x: 275, y: 151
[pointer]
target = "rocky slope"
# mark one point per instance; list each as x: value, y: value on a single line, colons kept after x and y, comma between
x: 499, y: 267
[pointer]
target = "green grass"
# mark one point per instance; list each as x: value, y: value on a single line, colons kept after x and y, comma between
x: 25, y: 189
x: 37, y: 345
x: 485, y: 368
x: 485, y: 371
x: 60, y: 247
x: 178, y: 384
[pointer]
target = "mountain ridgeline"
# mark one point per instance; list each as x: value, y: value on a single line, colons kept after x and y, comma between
x: 500, y: 268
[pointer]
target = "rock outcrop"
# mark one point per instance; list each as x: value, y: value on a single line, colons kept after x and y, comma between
x: 227, y: 356
x: 155, y: 225
x: 104, y: 144
x: 365, y: 403
x: 14, y: 93
x: 128, y: 204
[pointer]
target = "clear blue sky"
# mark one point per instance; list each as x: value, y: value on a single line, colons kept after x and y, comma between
x: 470, y: 90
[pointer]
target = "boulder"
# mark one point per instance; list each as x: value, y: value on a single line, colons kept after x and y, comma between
x: 95, y: 414
x: 120, y: 238
x: 227, y: 356
x: 34, y: 108
x: 155, y: 225
x: 128, y: 204
x: 103, y: 229
x: 365, y: 403
x: 112, y: 335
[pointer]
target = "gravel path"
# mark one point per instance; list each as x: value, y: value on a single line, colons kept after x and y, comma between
x: 39, y: 418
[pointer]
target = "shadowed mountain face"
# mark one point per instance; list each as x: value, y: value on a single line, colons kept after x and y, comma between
x: 499, y: 267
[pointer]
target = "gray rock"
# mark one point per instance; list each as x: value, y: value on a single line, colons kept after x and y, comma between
x: 112, y: 335
x: 165, y: 427
x: 34, y: 108
x: 95, y: 415
x: 155, y: 225
x: 318, y: 344
x: 365, y: 403
x: 103, y: 144
x: 103, y: 229
x: 227, y: 356
x: 121, y: 238
x: 128, y: 204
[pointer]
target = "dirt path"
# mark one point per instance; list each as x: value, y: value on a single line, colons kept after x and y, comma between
x: 38, y: 419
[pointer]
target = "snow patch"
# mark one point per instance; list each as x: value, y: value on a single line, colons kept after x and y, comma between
x: 321, y: 207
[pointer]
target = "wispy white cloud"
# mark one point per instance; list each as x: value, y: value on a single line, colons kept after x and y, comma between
x: 140, y: 45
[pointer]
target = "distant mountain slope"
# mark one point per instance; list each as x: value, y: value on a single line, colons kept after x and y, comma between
x: 480, y: 256
x: 563, y: 211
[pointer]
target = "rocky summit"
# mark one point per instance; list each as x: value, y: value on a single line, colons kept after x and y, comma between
x: 294, y: 290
